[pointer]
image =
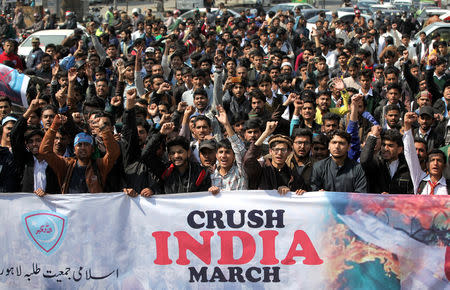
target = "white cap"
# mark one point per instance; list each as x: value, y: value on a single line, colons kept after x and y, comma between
x: 286, y: 63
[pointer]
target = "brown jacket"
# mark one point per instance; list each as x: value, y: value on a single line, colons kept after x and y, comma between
x: 64, y: 166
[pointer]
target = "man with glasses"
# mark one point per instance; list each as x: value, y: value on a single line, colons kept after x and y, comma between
x: 273, y: 173
x: 300, y: 159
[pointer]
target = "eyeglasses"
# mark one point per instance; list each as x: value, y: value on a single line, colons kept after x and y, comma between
x: 279, y: 150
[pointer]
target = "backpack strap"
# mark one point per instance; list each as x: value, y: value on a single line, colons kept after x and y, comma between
x: 168, y: 172
x: 200, y: 178
x: 422, y: 185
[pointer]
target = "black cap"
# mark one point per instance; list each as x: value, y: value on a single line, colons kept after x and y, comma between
x: 427, y: 110
x: 209, y: 144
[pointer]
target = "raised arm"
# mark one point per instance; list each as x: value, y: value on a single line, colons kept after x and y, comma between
x: 137, y: 74
x: 131, y: 152
x: 55, y: 161
x: 416, y: 172
x: 112, y: 150
x: 352, y: 128
x: 98, y: 47
x: 236, y: 143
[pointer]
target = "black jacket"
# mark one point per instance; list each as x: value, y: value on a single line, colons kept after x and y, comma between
x: 195, y: 179
x: 434, y: 140
x: 377, y: 172
x: 136, y: 173
x: 8, y: 171
x: 263, y: 176
x: 25, y: 161
x: 328, y: 176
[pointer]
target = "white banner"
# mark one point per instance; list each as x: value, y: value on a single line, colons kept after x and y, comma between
x: 242, y: 239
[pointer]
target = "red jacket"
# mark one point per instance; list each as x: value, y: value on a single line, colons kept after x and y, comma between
x: 12, y: 57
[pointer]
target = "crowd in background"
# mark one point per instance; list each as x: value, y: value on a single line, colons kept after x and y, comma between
x: 218, y: 103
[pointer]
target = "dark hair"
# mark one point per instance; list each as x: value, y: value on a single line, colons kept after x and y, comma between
x: 392, y: 108
x: 200, y: 91
x: 178, y: 141
x: 436, y: 152
x: 394, y: 136
x: 46, y: 55
x: 423, y: 141
x: 324, y: 93
x: 340, y: 133
x: 257, y: 94
x: 322, y: 75
x: 50, y: 45
x: 225, y: 143
x: 237, y: 117
x: 310, y: 82
x: 104, y: 114
x: 143, y: 123
x: 6, y: 99
x: 441, y: 60
x: 309, y: 100
x: 153, y: 77
x: 138, y: 110
x: 331, y: 116
x: 254, y: 123
x: 394, y: 86
x: 367, y: 73
x: 198, y: 73
x: 101, y: 80
x: 320, y: 139
x: 50, y: 107
x: 284, y: 77
x: 32, y: 131
x: 302, y: 132
x: 391, y: 70
x: 202, y: 118
x: 264, y: 79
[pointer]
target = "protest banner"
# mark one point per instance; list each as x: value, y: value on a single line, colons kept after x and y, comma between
x: 14, y: 85
x: 241, y: 239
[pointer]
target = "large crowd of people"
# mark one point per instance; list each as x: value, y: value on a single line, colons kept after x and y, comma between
x: 219, y: 103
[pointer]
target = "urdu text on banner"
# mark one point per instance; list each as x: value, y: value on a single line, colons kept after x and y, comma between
x: 242, y: 239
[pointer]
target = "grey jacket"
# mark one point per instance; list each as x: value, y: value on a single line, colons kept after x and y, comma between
x: 328, y: 176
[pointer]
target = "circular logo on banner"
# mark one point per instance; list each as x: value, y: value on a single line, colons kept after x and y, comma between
x: 45, y: 229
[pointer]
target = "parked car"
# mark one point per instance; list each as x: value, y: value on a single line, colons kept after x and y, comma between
x: 290, y: 7
x: 344, y: 16
x: 445, y: 17
x: 351, y: 10
x: 190, y: 13
x: 308, y: 13
x: 438, y: 27
x: 55, y: 36
x: 430, y: 11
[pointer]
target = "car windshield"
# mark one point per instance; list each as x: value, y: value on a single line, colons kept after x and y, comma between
x: 45, y: 40
x: 281, y: 7
x: 315, y: 18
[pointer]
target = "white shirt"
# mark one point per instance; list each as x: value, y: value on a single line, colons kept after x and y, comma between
x: 188, y: 96
x: 331, y: 59
x: 393, y: 167
x: 423, y: 49
x: 440, y: 189
x: 40, y: 178
x: 416, y: 172
x: 369, y: 93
